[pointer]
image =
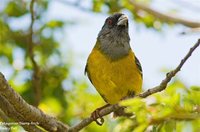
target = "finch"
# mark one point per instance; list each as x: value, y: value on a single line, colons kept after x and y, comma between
x: 112, y: 66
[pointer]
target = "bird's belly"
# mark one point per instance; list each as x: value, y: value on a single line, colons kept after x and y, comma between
x: 114, y: 79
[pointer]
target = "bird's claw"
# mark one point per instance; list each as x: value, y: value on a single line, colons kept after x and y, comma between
x: 95, y: 115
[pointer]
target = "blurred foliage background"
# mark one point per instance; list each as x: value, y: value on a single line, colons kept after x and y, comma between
x: 175, y: 109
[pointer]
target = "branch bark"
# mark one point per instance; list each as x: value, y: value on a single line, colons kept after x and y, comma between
x: 15, y: 107
x: 161, y: 87
x: 11, y: 112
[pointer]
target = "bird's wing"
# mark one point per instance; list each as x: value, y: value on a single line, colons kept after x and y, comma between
x: 87, y: 73
x: 138, y: 65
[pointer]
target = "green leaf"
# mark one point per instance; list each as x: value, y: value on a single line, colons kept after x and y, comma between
x: 15, y: 9
x: 55, y: 24
x: 141, y: 127
x: 168, y: 126
x: 195, y: 88
x: 97, y: 5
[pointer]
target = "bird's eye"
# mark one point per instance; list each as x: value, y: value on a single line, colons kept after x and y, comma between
x: 109, y: 22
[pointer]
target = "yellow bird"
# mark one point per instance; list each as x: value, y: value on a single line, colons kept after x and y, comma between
x: 112, y: 66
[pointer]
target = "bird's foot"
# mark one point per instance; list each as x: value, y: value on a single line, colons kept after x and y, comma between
x: 96, y: 115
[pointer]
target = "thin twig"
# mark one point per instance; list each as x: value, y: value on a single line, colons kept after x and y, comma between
x: 177, y: 116
x: 165, y: 17
x: 187, y: 5
x: 151, y: 91
x: 170, y: 75
x: 36, y: 79
x: 139, y: 6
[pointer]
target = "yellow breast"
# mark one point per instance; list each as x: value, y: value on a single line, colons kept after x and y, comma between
x: 114, y: 79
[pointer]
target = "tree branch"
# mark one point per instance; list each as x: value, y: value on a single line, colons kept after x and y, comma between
x: 11, y: 112
x: 4, y: 118
x: 36, y: 78
x: 162, y: 16
x: 165, y: 17
x: 15, y: 107
x: 151, y: 91
x: 187, y: 5
x: 177, y: 116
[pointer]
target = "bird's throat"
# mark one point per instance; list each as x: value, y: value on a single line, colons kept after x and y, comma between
x: 114, y: 48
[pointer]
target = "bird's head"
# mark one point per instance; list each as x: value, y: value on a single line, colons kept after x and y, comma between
x: 113, y: 37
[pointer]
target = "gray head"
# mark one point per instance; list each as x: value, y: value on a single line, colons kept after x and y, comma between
x: 113, y: 37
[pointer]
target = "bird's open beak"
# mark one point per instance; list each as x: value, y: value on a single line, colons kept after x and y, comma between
x: 123, y: 21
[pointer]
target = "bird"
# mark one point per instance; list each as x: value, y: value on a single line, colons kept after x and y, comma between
x: 112, y: 67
